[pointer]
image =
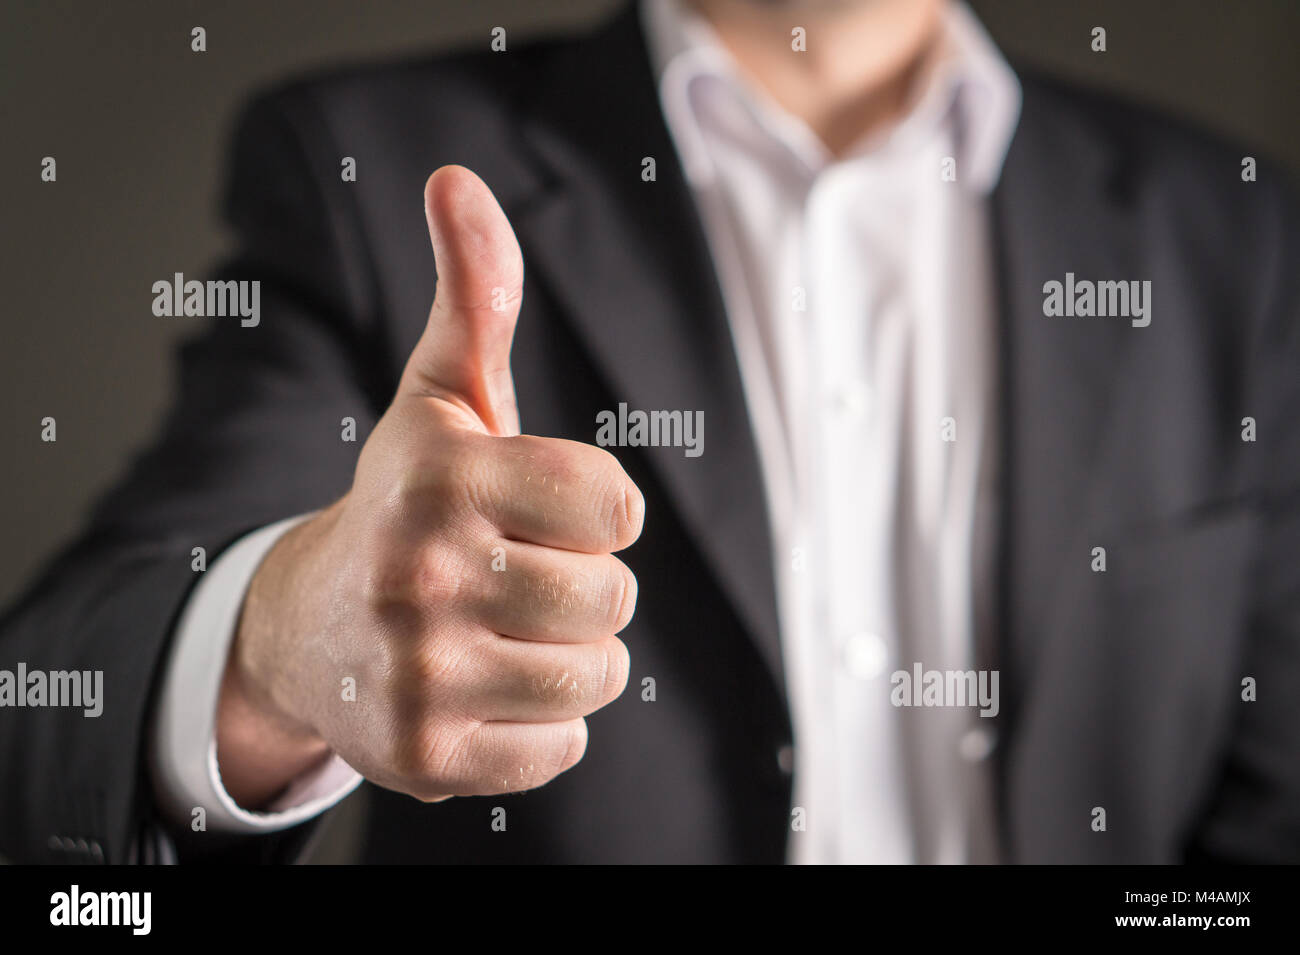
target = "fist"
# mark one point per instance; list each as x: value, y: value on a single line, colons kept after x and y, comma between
x: 466, y: 582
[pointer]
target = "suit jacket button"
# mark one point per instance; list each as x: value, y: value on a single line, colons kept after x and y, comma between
x: 978, y: 743
x: 785, y: 759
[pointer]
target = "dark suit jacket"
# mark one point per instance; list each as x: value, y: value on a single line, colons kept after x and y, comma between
x: 1120, y: 690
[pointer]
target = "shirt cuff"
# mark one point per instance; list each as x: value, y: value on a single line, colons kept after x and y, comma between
x: 183, y: 747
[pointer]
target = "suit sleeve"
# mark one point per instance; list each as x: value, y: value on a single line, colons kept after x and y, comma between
x: 1254, y: 817
x: 183, y: 737
x: 256, y: 435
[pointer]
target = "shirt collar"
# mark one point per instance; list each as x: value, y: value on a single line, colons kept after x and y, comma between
x: 966, y: 78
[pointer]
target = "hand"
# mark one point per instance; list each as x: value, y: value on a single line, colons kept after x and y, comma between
x: 466, y: 582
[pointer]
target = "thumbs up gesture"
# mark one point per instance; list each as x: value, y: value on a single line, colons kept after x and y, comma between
x: 466, y: 581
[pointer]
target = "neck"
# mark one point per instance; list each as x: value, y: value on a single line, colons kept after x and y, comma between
x: 860, y: 60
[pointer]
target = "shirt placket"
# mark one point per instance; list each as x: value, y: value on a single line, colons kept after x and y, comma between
x: 852, y: 506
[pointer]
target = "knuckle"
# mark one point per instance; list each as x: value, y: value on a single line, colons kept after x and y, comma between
x: 597, y: 678
x: 557, y: 463
x: 433, y: 670
x: 441, y: 575
x: 598, y: 598
x: 428, y: 758
x: 602, y: 462
x: 404, y: 589
x: 533, y: 762
x: 425, y: 694
x: 573, y: 747
x: 559, y: 752
x: 591, y: 474
x: 552, y: 592
x: 409, y: 759
x: 455, y: 474
x: 450, y: 767
x: 389, y: 586
x: 558, y: 689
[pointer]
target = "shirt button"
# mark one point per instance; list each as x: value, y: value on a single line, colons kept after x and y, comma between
x: 850, y: 400
x: 865, y: 655
x: 785, y: 759
x: 976, y: 744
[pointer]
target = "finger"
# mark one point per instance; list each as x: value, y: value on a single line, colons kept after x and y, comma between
x: 547, y: 682
x: 556, y: 596
x: 560, y: 493
x: 506, y: 757
x: 464, y: 354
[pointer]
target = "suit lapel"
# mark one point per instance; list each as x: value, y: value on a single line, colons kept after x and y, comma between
x: 1059, y: 208
x: 628, y: 261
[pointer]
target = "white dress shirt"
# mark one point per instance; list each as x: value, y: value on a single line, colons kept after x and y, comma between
x: 860, y: 299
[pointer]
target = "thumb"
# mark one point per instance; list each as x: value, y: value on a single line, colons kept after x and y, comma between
x: 464, y: 354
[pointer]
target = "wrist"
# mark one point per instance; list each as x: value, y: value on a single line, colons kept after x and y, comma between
x: 262, y: 741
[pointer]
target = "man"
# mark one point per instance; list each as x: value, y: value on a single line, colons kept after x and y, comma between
x: 966, y: 532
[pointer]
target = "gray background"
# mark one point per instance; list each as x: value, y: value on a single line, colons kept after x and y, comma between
x: 137, y: 124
